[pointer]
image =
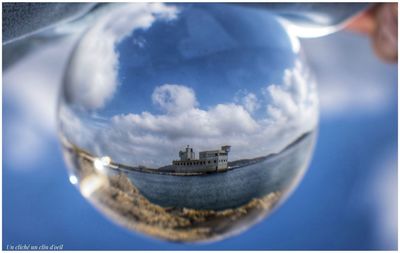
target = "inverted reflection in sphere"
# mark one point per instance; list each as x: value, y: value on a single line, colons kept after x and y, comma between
x: 187, y: 122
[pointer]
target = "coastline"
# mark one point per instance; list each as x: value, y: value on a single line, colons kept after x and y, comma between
x: 231, y: 165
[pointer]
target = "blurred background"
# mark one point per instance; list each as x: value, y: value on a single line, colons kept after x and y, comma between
x: 347, y: 199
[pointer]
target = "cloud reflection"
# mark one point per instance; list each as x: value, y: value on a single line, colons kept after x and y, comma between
x: 98, y: 59
x: 288, y: 109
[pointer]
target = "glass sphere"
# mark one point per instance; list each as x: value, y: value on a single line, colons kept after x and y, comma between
x: 187, y: 122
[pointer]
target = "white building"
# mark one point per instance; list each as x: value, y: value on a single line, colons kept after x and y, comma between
x: 216, y: 158
x: 188, y: 154
x: 212, y: 160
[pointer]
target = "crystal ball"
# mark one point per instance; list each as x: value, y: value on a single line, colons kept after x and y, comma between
x: 187, y: 122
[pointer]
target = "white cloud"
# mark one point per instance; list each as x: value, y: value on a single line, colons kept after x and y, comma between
x: 92, y: 75
x: 174, y: 98
x: 296, y: 96
x: 250, y: 102
x: 154, y: 139
x: 248, y: 99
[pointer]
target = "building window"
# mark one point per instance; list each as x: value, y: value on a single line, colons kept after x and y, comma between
x: 215, y: 161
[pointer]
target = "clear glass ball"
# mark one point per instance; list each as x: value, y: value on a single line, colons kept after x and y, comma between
x: 187, y: 122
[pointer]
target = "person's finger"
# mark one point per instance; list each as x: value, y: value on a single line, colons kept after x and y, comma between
x: 385, y: 35
x: 380, y: 24
x: 364, y: 22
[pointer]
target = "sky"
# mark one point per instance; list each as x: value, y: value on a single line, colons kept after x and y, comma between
x: 244, y: 88
x: 347, y: 199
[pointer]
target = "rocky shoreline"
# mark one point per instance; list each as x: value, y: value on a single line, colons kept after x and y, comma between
x: 134, y: 211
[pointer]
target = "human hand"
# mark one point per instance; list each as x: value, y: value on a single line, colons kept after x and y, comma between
x: 380, y: 24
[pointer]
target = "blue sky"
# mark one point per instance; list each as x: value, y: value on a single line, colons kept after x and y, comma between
x: 344, y: 202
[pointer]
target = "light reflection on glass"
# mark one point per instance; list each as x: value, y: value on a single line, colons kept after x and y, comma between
x: 73, y: 179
